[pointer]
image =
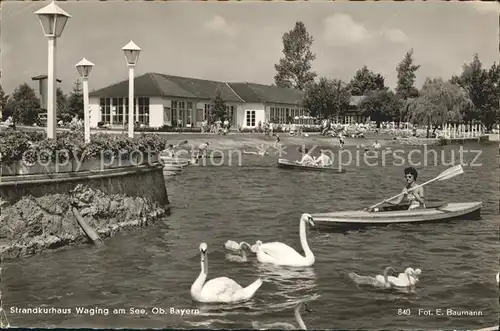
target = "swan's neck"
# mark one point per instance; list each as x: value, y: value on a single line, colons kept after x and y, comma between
x: 409, y: 279
x: 303, y: 241
x: 299, y: 320
x: 198, y: 283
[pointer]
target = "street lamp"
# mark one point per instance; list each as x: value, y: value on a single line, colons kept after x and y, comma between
x: 53, y: 20
x: 84, y: 68
x: 131, y: 51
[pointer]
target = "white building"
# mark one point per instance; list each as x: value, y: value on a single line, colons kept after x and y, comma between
x: 168, y: 100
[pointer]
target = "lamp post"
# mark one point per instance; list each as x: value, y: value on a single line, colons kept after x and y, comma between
x: 131, y: 51
x: 84, y: 68
x: 53, y: 20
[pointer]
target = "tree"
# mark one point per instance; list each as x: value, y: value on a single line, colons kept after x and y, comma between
x: 62, y: 106
x: 23, y: 105
x: 4, y: 98
x: 482, y: 87
x: 218, y: 109
x: 326, y: 99
x: 366, y: 81
x: 382, y: 105
x: 406, y: 77
x: 294, y: 69
x: 75, y: 101
x: 439, y: 102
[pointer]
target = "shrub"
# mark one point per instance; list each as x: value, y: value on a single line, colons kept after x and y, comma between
x: 34, y: 145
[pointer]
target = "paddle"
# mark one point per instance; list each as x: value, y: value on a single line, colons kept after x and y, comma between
x: 447, y: 174
x: 184, y: 142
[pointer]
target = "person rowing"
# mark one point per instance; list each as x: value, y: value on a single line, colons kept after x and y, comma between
x: 323, y: 160
x: 341, y: 140
x: 169, y: 150
x: 307, y: 159
x: 203, y: 149
x: 416, y: 196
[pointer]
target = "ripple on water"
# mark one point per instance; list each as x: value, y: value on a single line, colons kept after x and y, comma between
x: 156, y: 266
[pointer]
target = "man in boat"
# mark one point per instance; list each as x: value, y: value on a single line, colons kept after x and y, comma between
x: 323, y: 160
x: 376, y: 145
x: 169, y: 150
x: 202, y: 150
x: 307, y: 159
x: 416, y: 196
x: 341, y: 140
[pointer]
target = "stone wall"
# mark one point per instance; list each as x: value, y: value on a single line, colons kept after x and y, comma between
x: 32, y: 225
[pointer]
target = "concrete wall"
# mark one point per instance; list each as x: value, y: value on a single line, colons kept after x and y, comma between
x: 156, y: 105
x: 142, y: 181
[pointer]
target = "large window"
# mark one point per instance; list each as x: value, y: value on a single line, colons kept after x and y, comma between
x: 189, y: 113
x: 207, y: 111
x: 167, y: 111
x: 174, y: 113
x: 115, y: 110
x: 118, y: 113
x: 143, y: 111
x: 250, y: 118
x: 105, y: 104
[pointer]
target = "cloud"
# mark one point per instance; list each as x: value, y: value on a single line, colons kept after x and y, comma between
x: 342, y: 30
x: 395, y: 35
x: 219, y: 24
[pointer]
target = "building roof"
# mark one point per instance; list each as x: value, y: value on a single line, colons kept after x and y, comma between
x: 40, y: 77
x: 259, y: 93
x: 356, y: 100
x: 161, y: 85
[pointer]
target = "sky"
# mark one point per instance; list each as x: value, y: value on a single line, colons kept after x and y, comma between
x: 241, y: 41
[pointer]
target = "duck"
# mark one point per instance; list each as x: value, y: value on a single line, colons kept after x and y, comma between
x: 281, y: 254
x: 284, y: 325
x: 221, y: 289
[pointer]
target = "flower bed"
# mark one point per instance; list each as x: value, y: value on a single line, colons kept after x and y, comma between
x: 31, y: 153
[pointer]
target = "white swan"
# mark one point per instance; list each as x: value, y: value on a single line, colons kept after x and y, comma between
x: 280, y: 254
x: 231, y: 245
x: 383, y: 280
x: 284, y: 325
x: 240, y: 249
x: 406, y: 279
x: 221, y: 289
x: 254, y: 247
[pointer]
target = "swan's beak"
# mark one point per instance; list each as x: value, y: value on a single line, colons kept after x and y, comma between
x: 306, y: 308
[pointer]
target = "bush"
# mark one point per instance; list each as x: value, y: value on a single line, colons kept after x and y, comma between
x: 34, y: 146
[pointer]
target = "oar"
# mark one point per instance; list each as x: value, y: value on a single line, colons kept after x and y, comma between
x: 184, y: 142
x: 447, y: 174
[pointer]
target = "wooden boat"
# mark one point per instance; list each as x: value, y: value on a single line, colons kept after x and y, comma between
x: 435, y: 212
x: 287, y: 164
x: 210, y: 155
x: 173, y: 164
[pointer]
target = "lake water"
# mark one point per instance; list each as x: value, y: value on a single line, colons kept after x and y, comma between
x: 155, y: 267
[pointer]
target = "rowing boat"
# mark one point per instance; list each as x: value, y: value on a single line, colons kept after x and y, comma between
x: 210, y: 155
x: 287, y: 164
x: 435, y: 212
